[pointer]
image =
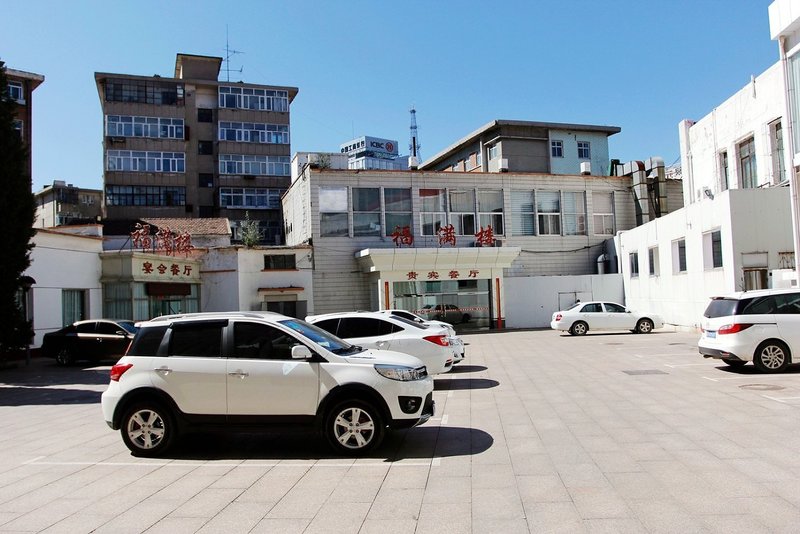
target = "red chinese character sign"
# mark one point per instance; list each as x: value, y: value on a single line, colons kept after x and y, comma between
x: 171, y: 243
x: 485, y: 237
x: 447, y: 235
x: 402, y: 236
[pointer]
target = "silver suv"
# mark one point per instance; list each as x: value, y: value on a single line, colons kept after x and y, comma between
x: 246, y: 370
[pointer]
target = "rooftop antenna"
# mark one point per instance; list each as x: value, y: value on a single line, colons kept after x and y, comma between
x: 414, y: 146
x: 228, y: 54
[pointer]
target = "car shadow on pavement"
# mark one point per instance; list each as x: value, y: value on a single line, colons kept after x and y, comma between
x: 45, y: 372
x: 41, y: 396
x: 466, y: 369
x: 423, y: 442
x: 463, y: 383
x: 751, y: 370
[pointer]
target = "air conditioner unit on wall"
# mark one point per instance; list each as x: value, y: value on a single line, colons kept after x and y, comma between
x: 502, y: 166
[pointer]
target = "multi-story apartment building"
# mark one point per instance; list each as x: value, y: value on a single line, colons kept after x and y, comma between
x: 64, y: 204
x: 193, y: 146
x: 526, y: 146
x: 21, y: 85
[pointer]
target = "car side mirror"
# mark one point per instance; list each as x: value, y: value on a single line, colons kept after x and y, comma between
x: 301, y: 352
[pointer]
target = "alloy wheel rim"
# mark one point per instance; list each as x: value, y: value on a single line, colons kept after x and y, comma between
x: 354, y: 428
x: 580, y: 329
x: 772, y: 357
x: 645, y: 327
x: 146, y: 429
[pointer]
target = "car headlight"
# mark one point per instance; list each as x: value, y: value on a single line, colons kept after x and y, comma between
x: 401, y: 372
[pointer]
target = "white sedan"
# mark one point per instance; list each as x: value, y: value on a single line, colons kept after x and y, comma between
x: 456, y: 342
x: 585, y: 316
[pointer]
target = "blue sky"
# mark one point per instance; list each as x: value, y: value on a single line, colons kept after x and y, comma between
x: 642, y: 65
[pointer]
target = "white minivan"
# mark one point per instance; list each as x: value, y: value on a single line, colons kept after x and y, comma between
x: 761, y: 326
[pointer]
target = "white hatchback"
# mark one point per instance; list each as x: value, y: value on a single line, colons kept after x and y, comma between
x: 585, y: 316
x: 760, y: 326
x: 429, y: 343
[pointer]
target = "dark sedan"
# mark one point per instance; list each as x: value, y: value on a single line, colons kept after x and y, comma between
x: 91, y: 340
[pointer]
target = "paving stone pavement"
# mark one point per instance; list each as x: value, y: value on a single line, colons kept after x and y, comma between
x: 535, y: 432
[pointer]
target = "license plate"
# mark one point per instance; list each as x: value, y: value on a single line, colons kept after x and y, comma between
x: 711, y: 334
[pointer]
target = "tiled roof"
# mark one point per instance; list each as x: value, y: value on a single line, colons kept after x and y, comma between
x: 204, y: 226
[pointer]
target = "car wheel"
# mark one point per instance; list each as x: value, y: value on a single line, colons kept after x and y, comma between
x: 147, y: 429
x: 578, y: 328
x: 644, y: 326
x: 734, y: 363
x: 771, y: 357
x: 465, y: 318
x: 64, y: 357
x: 354, y: 427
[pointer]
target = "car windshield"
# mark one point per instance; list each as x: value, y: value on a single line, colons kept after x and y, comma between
x: 721, y: 308
x: 130, y: 326
x: 338, y: 346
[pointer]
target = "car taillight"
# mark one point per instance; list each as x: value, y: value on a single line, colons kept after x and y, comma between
x: 558, y: 316
x: 438, y: 340
x: 733, y: 328
x: 118, y: 370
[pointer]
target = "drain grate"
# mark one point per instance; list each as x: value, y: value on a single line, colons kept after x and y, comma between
x: 677, y: 343
x: 646, y: 372
x: 762, y: 387
x: 612, y: 343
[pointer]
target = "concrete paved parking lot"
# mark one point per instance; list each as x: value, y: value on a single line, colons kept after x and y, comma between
x: 534, y: 432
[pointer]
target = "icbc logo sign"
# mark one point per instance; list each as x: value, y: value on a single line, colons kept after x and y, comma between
x: 390, y: 147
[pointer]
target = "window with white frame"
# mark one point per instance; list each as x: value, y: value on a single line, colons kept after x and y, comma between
x: 462, y: 210
x: 16, y: 92
x: 776, y: 140
x: 603, y: 213
x: 584, y: 150
x: 652, y: 261
x: 724, y: 181
x: 366, y: 211
x: 254, y: 165
x: 490, y: 210
x: 712, y: 249
x: 137, y: 126
x: 493, y: 152
x: 397, y: 207
x: 747, y: 163
x: 17, y: 124
x: 134, y: 161
x: 252, y: 98
x: 523, y: 214
x: 478, y: 159
x: 679, y: 256
x: 557, y: 149
x: 333, y: 212
x: 634, y: 262
x: 433, y: 215
x: 254, y: 132
x: 256, y: 198
x: 574, y: 206
x: 548, y: 212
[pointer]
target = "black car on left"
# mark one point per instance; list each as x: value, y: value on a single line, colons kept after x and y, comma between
x: 92, y: 340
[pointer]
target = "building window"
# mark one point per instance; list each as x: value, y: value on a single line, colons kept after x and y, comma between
x: 144, y: 92
x: 652, y: 261
x: 249, y: 198
x: 333, y: 212
x: 557, y: 149
x: 634, y: 261
x: 17, y: 124
x: 548, y: 212
x: 204, y: 115
x: 137, y: 126
x: 205, y: 148
x: 16, y: 92
x: 494, y: 151
x: 523, y: 214
x: 140, y: 195
x: 397, y: 204
x: 252, y: 98
x: 279, y: 262
x: 747, y: 163
x: 490, y: 210
x: 254, y: 165
x: 712, y: 249
x: 724, y: 183
x: 574, y: 213
x: 584, y: 150
x: 133, y: 161
x: 462, y: 211
x: 205, y: 179
x: 366, y: 211
x: 254, y: 132
x: 73, y: 306
x: 679, y: 256
x: 478, y: 159
x: 603, y: 213
x: 433, y: 215
x: 776, y: 138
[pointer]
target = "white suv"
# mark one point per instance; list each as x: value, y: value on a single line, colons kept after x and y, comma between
x: 245, y: 370
x: 760, y: 326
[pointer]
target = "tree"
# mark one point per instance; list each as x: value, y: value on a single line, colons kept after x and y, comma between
x: 251, y: 233
x: 17, y: 209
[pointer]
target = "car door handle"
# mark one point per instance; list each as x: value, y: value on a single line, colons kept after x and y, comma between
x: 382, y: 344
x: 240, y: 374
x: 165, y: 370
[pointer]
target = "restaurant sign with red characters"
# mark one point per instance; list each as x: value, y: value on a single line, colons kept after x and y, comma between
x: 165, y: 269
x: 444, y: 274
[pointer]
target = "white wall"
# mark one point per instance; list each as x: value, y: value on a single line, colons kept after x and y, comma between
x: 62, y: 261
x: 750, y: 221
x: 531, y: 300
